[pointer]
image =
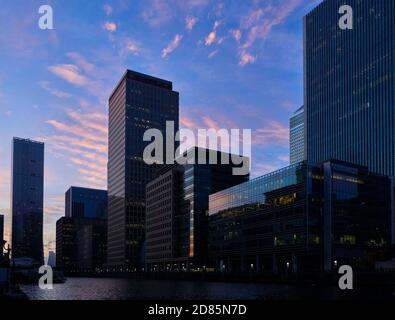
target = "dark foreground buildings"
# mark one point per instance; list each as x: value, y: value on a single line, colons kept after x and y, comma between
x: 349, y: 85
x: 302, y: 218
x: 27, y: 193
x: 1, y: 233
x: 86, y: 203
x: 81, y: 236
x: 139, y: 102
x: 177, y: 211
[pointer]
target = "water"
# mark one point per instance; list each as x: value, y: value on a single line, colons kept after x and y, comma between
x: 125, y: 289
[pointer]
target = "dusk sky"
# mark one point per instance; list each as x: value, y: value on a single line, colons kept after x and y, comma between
x: 236, y: 64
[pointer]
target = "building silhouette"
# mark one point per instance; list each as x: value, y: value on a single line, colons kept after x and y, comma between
x: 81, y: 235
x: 1, y: 233
x: 27, y: 199
x: 302, y: 218
x: 86, y: 203
x: 349, y: 84
x: 139, y: 102
x: 177, y: 204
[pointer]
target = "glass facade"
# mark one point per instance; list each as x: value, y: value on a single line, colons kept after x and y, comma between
x: 296, y: 125
x: 349, y: 85
x: 336, y: 212
x: 138, y: 103
x: 27, y: 199
x: 253, y: 191
x: 86, y: 203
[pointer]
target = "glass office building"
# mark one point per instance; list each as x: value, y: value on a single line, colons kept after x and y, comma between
x: 139, y: 102
x: 177, y: 209
x: 296, y: 134
x: 253, y: 191
x: 86, y: 203
x: 27, y: 199
x: 334, y: 213
x: 349, y: 85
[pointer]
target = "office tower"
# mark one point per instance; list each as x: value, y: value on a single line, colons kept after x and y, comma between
x: 139, y: 102
x: 81, y: 236
x: 349, y: 83
x: 65, y: 244
x: 177, y: 210
x: 80, y: 243
x: 27, y: 199
x: 302, y: 218
x: 296, y: 134
x: 51, y: 259
x: 86, y: 203
x: 1, y: 233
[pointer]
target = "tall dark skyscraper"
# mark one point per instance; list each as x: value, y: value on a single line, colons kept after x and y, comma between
x: 86, y: 203
x: 139, y: 102
x: 349, y: 84
x: 27, y: 199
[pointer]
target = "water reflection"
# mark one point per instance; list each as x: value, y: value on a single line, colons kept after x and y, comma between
x: 123, y: 289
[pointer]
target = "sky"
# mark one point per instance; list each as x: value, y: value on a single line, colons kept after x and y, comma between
x: 237, y: 64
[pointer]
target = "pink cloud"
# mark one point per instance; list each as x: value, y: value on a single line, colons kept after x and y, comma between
x: 172, y: 45
x: 246, y: 58
x: 280, y: 14
x: 236, y: 34
x: 81, y: 62
x: 273, y: 134
x: 70, y: 73
x: 46, y: 85
x: 110, y: 26
x: 190, y: 22
x: 210, y: 39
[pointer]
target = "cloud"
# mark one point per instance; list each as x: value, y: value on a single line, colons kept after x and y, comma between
x: 82, y: 141
x: 190, y: 22
x: 81, y: 62
x: 108, y: 9
x: 132, y: 47
x: 70, y: 73
x: 236, y: 34
x: 46, y: 85
x: 160, y: 12
x: 263, y: 29
x: 273, y: 134
x: 213, y: 54
x: 110, y: 26
x: 210, y: 39
x: 172, y: 45
x: 246, y: 58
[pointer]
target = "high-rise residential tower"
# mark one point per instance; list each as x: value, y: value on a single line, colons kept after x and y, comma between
x: 349, y: 84
x: 27, y: 199
x: 296, y: 133
x: 139, y: 102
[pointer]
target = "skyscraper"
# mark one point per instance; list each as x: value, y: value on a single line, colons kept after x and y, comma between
x: 296, y: 128
x: 27, y: 199
x: 81, y: 236
x: 86, y: 203
x: 177, y: 206
x: 349, y: 85
x: 139, y: 102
